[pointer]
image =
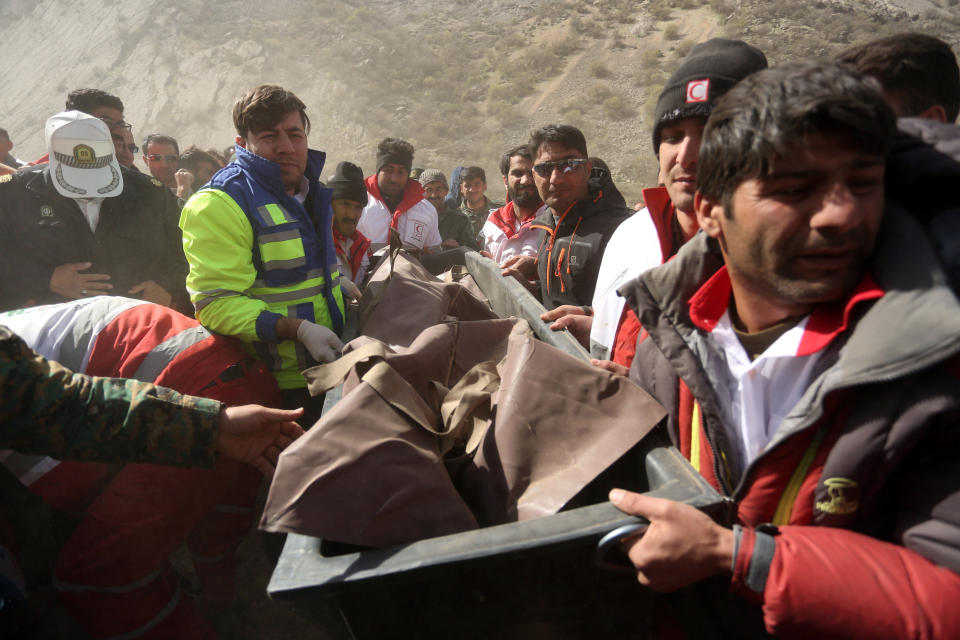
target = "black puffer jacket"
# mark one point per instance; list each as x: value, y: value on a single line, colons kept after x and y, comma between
x: 137, y: 238
x: 923, y: 172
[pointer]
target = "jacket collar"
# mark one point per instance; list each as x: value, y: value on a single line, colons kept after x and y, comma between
x: 661, y: 210
x: 41, y: 182
x: 597, y: 203
x: 827, y: 321
x: 268, y: 173
x: 505, y: 219
x: 412, y: 194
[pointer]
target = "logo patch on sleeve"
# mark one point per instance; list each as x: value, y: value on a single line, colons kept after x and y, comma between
x: 698, y: 90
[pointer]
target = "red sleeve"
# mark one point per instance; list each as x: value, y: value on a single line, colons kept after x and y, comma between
x: 824, y: 582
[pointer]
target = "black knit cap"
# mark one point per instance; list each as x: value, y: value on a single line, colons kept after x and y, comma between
x: 401, y: 154
x: 706, y: 73
x: 347, y: 183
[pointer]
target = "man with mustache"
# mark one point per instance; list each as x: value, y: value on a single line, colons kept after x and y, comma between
x: 396, y: 202
x: 806, y: 346
x: 349, y: 199
x: 258, y: 238
x: 453, y: 224
x: 507, y: 231
x: 575, y: 226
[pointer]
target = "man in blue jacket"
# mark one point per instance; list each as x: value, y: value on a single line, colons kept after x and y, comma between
x: 263, y: 267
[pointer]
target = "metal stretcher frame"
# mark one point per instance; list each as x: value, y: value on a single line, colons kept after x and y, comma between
x: 303, y: 570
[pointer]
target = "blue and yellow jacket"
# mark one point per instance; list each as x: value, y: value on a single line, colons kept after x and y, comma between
x: 257, y: 254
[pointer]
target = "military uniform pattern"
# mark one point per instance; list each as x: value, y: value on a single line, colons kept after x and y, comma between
x: 47, y: 409
x: 479, y: 217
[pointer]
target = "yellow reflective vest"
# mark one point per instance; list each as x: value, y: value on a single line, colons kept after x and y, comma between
x: 257, y: 254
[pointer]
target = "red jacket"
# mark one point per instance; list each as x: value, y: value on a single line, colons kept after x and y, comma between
x: 359, y: 249
x: 849, y: 520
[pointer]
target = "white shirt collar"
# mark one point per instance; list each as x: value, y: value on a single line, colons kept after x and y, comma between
x: 302, y: 191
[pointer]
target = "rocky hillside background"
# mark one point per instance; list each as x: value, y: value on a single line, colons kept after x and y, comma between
x: 461, y: 80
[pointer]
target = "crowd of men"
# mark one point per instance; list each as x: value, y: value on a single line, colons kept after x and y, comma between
x: 799, y: 323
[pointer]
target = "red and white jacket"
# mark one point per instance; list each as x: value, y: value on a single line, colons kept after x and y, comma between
x: 353, y: 255
x: 847, y: 514
x: 643, y: 241
x: 112, y: 336
x: 505, y: 235
x: 415, y: 219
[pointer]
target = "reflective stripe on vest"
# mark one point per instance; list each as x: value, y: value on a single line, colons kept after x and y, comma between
x: 273, y: 214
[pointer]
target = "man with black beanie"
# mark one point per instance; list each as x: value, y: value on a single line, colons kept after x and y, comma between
x: 655, y: 233
x: 397, y: 202
x: 349, y: 199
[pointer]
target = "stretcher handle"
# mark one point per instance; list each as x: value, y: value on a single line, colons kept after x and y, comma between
x: 608, y: 554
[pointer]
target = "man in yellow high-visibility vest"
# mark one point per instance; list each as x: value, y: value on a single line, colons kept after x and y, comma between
x: 258, y: 239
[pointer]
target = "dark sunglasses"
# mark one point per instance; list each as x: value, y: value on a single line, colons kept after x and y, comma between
x: 545, y: 169
x: 156, y: 157
x: 133, y: 148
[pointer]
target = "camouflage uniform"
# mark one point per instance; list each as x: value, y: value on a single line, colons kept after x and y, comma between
x: 454, y: 223
x: 478, y: 217
x: 50, y: 410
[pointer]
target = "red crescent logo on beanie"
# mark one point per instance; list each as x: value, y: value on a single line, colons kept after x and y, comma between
x: 698, y: 90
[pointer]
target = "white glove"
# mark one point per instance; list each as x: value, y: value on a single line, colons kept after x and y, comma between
x: 322, y: 343
x: 350, y: 287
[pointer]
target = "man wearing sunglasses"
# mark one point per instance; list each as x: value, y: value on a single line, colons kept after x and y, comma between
x: 161, y: 154
x: 575, y: 226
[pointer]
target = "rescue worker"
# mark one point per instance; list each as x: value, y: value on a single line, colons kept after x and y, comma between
x: 349, y: 195
x: 112, y: 574
x: 656, y: 232
x: 507, y: 231
x: 397, y: 202
x: 263, y: 267
x: 806, y: 346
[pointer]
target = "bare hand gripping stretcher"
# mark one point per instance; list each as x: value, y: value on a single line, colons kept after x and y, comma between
x: 465, y: 464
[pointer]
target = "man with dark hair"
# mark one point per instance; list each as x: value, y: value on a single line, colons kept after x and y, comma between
x: 126, y: 148
x: 654, y: 234
x: 161, y: 154
x: 806, y: 348
x: 263, y: 266
x: 196, y: 167
x: 108, y: 108
x: 82, y: 226
x: 454, y: 225
x: 918, y: 73
x: 397, y: 202
x: 507, y: 231
x: 476, y: 205
x: 5, y: 146
x: 95, y: 102
x: 577, y: 223
x: 353, y: 248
